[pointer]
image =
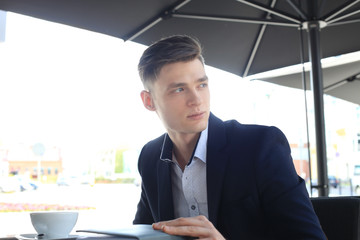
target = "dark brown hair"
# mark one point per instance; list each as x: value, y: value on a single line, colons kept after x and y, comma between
x: 178, y: 48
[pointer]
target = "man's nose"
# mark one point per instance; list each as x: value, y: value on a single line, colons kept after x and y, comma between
x: 194, y: 98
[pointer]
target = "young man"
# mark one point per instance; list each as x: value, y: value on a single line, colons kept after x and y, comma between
x: 207, y: 178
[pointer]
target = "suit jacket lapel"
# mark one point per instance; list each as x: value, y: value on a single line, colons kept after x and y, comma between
x: 166, y: 208
x: 216, y: 162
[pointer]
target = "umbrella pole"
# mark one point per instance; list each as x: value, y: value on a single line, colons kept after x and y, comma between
x: 317, y: 88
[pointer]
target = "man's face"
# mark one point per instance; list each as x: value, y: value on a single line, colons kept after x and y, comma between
x: 181, y: 97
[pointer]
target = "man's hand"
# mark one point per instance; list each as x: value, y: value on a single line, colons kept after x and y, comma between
x: 199, y: 227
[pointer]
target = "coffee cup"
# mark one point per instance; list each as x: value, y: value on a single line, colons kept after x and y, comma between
x: 53, y: 225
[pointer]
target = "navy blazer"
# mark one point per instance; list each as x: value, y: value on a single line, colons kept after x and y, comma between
x: 253, y: 189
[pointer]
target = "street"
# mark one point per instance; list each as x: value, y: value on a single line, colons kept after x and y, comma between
x: 114, y: 205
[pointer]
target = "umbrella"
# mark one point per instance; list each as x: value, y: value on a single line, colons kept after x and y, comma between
x: 228, y: 29
x: 240, y: 36
x: 341, y: 77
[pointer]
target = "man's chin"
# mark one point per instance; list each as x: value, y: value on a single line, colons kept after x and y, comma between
x: 200, y: 127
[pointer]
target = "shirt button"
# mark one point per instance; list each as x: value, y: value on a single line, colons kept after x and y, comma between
x: 193, y: 207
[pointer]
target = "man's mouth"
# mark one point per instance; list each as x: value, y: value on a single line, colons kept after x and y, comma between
x: 196, y: 116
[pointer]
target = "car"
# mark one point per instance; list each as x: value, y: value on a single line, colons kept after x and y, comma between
x: 34, y: 185
x: 333, y: 181
x: 356, y: 179
x: 26, y: 183
x: 87, y: 179
x: 72, y: 180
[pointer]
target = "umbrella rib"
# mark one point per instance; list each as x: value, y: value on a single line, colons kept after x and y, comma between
x: 143, y: 29
x: 180, y: 5
x: 269, y: 10
x: 342, y: 82
x: 234, y: 19
x: 344, y: 16
x: 340, y: 10
x: 297, y: 9
x: 343, y: 22
x: 254, y: 50
x: 335, y: 85
x: 257, y: 42
x: 163, y: 15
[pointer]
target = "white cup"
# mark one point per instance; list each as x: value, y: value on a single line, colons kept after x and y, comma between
x: 54, y: 225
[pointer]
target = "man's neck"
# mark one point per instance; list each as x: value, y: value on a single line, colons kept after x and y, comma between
x: 184, y: 145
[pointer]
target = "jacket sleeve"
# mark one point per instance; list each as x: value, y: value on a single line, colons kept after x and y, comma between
x: 143, y: 214
x: 286, y: 204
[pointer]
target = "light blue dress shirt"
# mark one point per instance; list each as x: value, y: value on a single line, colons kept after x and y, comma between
x: 189, y: 187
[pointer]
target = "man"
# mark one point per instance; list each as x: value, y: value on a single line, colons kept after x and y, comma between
x: 207, y: 178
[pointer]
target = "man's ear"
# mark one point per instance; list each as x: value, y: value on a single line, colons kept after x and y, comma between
x: 147, y: 100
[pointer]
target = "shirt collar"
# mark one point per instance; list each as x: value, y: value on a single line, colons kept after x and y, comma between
x: 166, y: 149
x: 201, y: 148
x: 200, y: 152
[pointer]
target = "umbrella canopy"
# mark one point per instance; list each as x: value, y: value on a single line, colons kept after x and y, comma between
x: 240, y: 36
x: 341, y: 78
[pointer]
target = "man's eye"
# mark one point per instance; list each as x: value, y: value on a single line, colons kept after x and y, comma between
x: 203, y: 85
x: 179, y: 90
